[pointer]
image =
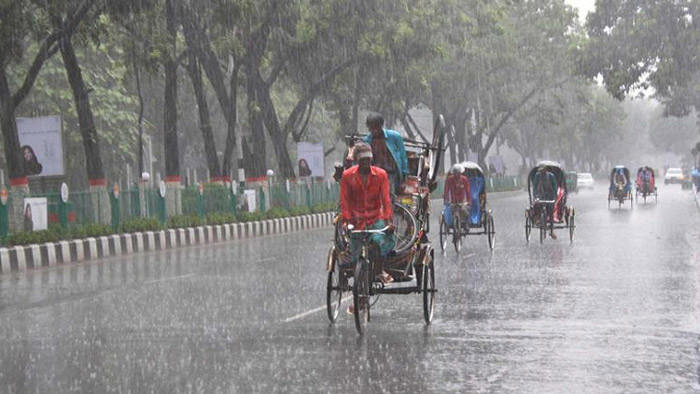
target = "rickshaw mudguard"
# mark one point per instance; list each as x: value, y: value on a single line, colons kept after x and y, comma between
x: 477, y: 187
x: 332, y: 257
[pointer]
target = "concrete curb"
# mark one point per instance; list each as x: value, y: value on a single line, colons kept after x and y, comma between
x: 21, y: 258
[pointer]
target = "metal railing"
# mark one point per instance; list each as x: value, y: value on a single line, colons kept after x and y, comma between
x: 104, y: 208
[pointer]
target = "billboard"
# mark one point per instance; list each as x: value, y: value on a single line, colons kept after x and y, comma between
x: 35, y: 214
x: 42, y: 145
x: 310, y: 160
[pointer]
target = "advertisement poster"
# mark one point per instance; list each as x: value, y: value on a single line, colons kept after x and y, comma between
x: 35, y: 214
x: 310, y: 160
x: 42, y: 145
x: 251, y: 200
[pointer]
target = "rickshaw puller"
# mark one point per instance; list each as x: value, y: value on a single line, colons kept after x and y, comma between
x: 457, y: 190
x: 545, y: 188
x: 365, y: 203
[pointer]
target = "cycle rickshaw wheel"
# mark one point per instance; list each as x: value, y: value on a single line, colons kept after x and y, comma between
x: 429, y: 288
x: 490, y: 228
x: 457, y: 231
x: 528, y: 226
x: 406, y: 231
x: 360, y: 295
x: 443, y: 233
x: 334, y: 293
x: 543, y: 225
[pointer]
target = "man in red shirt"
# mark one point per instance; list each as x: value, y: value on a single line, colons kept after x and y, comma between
x: 457, y: 190
x: 365, y: 202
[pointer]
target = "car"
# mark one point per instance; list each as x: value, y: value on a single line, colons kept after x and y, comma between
x: 673, y: 175
x: 585, y: 180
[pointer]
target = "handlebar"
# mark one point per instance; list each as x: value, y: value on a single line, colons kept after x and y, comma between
x: 545, y: 201
x: 377, y: 231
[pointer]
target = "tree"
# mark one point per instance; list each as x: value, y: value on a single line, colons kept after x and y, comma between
x: 637, y: 44
x: 18, y: 20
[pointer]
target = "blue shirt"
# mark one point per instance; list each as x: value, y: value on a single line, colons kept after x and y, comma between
x: 394, y: 142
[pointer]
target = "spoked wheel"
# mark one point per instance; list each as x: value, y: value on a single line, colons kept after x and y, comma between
x: 340, y: 236
x: 572, y: 226
x: 457, y: 231
x: 528, y: 227
x: 435, y: 155
x: 360, y: 296
x: 609, y: 199
x: 443, y: 233
x: 429, y: 291
x: 406, y: 228
x: 334, y: 291
x: 543, y: 225
x: 491, y: 231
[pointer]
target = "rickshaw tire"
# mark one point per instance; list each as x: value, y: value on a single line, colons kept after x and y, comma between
x: 360, y: 289
x: 429, y: 294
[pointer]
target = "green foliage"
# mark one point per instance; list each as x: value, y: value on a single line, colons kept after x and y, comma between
x: 276, y: 213
x: 90, y: 230
x: 135, y: 225
x: 33, y: 237
x: 299, y: 210
x: 322, y: 208
x: 220, y: 218
x: 245, y: 217
x: 183, y: 221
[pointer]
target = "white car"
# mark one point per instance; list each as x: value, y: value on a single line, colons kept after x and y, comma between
x: 585, y: 180
x: 673, y: 175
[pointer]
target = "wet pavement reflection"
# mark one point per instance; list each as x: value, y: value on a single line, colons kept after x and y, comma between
x: 616, y: 311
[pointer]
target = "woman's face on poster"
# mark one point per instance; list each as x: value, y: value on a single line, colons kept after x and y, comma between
x: 28, y: 154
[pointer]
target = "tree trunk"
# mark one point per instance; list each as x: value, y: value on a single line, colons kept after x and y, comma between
x: 255, y: 165
x: 13, y: 154
x: 172, y: 165
x: 95, y: 171
x: 204, y: 120
x: 279, y: 140
x: 231, y: 115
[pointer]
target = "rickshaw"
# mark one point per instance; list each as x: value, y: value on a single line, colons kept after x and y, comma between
x: 646, y: 186
x: 479, y: 219
x: 620, y: 186
x: 547, y: 215
x: 411, y: 266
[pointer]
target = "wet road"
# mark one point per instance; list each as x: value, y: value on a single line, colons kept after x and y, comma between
x: 619, y: 310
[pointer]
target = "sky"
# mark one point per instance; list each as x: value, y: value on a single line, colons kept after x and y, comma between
x: 584, y: 7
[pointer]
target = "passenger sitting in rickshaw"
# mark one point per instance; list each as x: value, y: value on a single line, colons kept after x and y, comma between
x: 478, y: 195
x: 545, y: 189
x: 620, y: 180
x: 366, y: 204
x: 645, y: 180
x: 456, y: 194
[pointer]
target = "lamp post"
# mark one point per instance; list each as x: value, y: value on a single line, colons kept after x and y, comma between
x: 270, y: 174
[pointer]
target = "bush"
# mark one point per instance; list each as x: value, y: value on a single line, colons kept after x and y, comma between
x: 182, y: 221
x: 90, y: 230
x: 33, y: 237
x: 277, y: 213
x: 322, y: 208
x: 220, y: 218
x: 300, y: 210
x: 140, y: 224
x: 245, y: 217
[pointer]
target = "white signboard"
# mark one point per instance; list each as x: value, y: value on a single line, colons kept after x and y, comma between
x: 250, y: 199
x: 42, y: 145
x: 35, y: 214
x: 310, y: 159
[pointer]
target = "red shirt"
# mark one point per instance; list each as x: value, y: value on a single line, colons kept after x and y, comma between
x: 364, y: 203
x: 457, y: 189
